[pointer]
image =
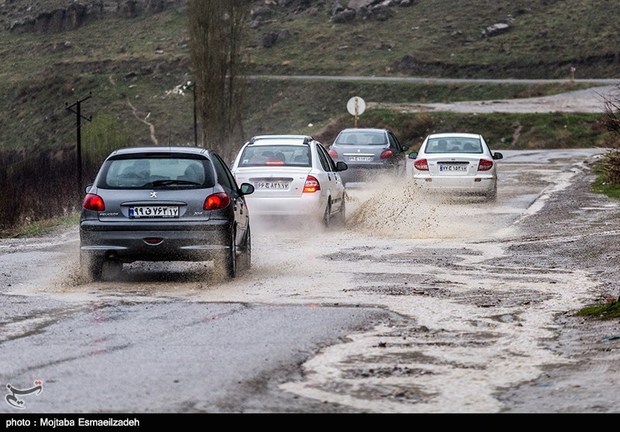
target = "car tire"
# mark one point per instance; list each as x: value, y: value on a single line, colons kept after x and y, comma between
x: 247, y: 252
x: 91, y: 266
x: 228, y: 261
x: 492, y: 196
x: 342, y: 216
x: 327, y: 216
x: 111, y: 269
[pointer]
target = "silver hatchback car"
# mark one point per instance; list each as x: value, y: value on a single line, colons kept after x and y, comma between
x: 164, y: 204
x: 294, y: 177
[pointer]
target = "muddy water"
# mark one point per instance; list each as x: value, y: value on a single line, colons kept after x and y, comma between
x: 467, y: 326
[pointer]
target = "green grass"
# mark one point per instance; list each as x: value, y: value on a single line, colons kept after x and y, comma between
x: 42, y: 227
x: 446, y: 39
x: 602, y: 187
x: 606, y: 311
x: 131, y: 65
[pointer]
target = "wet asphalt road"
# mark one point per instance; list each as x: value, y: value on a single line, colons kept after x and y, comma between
x: 164, y: 341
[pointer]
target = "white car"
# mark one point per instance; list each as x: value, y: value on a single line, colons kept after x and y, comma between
x: 293, y: 176
x: 460, y: 163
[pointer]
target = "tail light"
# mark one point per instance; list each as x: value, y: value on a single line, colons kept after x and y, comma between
x: 386, y: 154
x: 216, y: 201
x: 421, y: 165
x: 485, y: 165
x: 311, y: 185
x: 333, y: 153
x: 93, y: 202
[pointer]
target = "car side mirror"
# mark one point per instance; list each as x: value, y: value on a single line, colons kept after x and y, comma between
x: 88, y: 188
x: 246, y: 188
x: 498, y: 155
x: 341, y: 166
x: 412, y: 155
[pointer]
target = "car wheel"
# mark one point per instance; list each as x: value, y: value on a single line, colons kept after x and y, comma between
x: 91, y: 266
x: 228, y: 262
x: 111, y: 269
x: 341, y: 218
x: 247, y: 252
x: 327, y: 216
x: 492, y: 196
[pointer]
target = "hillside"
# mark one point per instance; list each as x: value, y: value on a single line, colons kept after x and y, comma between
x: 133, y: 56
x: 128, y: 62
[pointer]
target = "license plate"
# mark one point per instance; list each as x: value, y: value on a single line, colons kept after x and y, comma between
x: 153, y: 212
x: 272, y: 185
x: 445, y: 167
x: 360, y: 158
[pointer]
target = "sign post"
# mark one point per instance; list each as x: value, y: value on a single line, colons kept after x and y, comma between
x: 356, y: 107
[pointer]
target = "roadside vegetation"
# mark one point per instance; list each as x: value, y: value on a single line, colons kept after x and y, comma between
x: 137, y: 70
x: 606, y: 311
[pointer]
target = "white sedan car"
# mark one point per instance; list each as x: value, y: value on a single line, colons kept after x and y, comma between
x: 293, y: 176
x: 460, y: 163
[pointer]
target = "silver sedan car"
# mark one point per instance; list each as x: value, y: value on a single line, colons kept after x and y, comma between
x: 293, y: 177
x: 164, y: 204
x: 458, y: 163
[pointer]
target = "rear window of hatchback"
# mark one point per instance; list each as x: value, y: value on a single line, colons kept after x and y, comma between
x: 148, y: 172
x: 275, y: 155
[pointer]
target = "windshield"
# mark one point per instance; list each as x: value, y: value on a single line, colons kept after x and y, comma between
x: 275, y: 155
x: 453, y: 145
x: 157, y: 172
x: 361, y: 138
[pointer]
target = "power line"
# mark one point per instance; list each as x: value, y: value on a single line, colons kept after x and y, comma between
x: 77, y: 111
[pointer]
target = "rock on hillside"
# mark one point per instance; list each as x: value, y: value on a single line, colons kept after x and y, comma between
x: 42, y: 16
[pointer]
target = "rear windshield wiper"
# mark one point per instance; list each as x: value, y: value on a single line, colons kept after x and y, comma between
x: 160, y: 183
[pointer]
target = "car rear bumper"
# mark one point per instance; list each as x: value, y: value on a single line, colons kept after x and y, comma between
x: 306, y: 205
x: 470, y: 185
x: 155, y: 242
x: 364, y: 173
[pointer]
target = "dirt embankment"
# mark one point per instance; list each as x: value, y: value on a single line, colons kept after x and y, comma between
x: 591, y: 100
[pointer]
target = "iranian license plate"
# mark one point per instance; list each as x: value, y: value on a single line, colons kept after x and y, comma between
x: 360, y: 158
x: 153, y: 211
x: 452, y: 167
x: 272, y: 185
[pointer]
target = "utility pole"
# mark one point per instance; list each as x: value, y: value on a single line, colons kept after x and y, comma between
x: 195, y: 120
x: 192, y: 85
x: 77, y: 111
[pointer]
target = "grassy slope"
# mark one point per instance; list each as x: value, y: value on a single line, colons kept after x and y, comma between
x: 130, y: 66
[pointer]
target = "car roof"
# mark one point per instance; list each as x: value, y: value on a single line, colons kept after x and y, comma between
x: 280, y: 139
x: 454, y: 134
x: 365, y: 130
x: 160, y: 149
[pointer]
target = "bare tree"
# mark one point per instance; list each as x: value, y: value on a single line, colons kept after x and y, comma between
x: 612, y: 122
x: 217, y: 30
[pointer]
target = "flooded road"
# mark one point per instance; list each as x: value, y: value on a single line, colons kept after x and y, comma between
x: 419, y: 305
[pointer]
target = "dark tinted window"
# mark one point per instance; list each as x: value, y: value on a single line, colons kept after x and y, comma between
x: 275, y: 155
x: 324, y: 156
x: 453, y: 145
x: 224, y: 175
x: 360, y: 137
x: 162, y: 171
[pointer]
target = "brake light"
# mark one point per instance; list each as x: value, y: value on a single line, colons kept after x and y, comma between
x: 311, y: 185
x: 93, y: 202
x: 386, y: 154
x: 421, y: 165
x: 485, y: 165
x: 217, y: 201
x: 333, y: 153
